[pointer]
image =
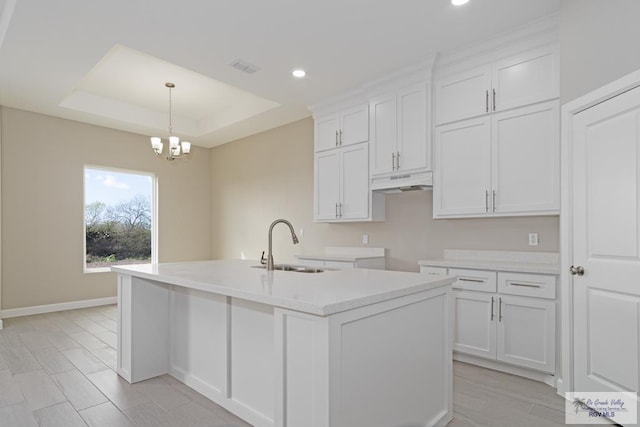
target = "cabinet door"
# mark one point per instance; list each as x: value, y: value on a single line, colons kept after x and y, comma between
x: 526, y: 78
x: 526, y: 332
x: 463, y: 96
x: 355, y: 125
x: 326, y: 132
x: 355, y: 182
x: 383, y: 134
x: 526, y: 154
x: 462, y: 168
x: 475, y: 318
x: 413, y: 141
x: 327, y: 185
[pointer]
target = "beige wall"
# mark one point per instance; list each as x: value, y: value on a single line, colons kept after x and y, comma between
x: 270, y: 175
x: 42, y: 205
x: 598, y: 43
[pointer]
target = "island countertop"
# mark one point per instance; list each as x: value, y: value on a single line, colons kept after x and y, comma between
x: 322, y: 294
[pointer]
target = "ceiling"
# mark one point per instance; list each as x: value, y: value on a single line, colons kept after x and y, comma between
x: 106, y: 62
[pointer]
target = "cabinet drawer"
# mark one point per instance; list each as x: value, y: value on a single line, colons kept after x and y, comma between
x: 474, y: 280
x: 433, y: 270
x: 530, y: 285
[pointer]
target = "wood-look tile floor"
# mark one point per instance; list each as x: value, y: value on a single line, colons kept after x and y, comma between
x: 58, y: 369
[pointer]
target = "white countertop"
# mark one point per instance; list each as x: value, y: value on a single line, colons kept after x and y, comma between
x: 517, y: 261
x: 315, y: 293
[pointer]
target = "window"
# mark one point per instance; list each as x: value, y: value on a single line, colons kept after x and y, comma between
x: 119, y: 218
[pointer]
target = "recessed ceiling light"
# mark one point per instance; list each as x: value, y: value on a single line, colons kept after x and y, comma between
x: 299, y: 73
x: 459, y: 2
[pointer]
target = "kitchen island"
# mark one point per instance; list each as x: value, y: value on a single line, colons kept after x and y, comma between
x: 280, y: 348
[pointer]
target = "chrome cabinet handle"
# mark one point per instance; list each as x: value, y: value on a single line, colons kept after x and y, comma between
x: 492, y: 309
x: 464, y: 279
x: 336, y: 209
x: 486, y: 200
x: 579, y: 270
x: 486, y: 101
x: 397, y: 160
x: 500, y: 309
x: 494, y: 99
x: 525, y: 285
x: 340, y: 139
x: 340, y: 209
x: 393, y: 161
x: 493, y: 202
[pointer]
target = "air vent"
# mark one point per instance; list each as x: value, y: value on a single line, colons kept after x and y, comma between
x: 244, y: 66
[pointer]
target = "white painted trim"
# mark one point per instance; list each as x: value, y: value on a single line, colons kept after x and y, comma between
x: 569, y: 111
x: 5, y: 18
x: 503, y: 367
x: 1, y: 324
x: 50, y: 308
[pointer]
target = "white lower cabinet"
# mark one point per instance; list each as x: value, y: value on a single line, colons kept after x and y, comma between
x: 504, y: 316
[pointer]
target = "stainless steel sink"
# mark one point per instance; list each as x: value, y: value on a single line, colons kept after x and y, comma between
x: 294, y: 268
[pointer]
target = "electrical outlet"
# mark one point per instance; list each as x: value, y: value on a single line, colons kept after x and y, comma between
x: 365, y: 239
x: 533, y: 239
x: 301, y: 233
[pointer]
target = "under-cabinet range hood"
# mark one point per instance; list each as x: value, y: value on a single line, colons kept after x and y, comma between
x: 404, y: 182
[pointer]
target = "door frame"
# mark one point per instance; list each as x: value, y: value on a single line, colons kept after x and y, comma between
x: 568, y: 113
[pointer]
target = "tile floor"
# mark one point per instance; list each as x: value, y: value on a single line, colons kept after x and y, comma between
x: 57, y: 369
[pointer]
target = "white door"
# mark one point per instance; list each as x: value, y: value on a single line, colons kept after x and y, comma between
x: 355, y: 125
x: 524, y: 79
x: 475, y: 318
x: 327, y: 132
x: 327, y: 185
x: 413, y: 143
x: 527, y: 332
x: 525, y: 154
x: 383, y: 134
x: 605, y: 198
x: 463, y: 95
x: 355, y: 182
x: 462, y: 166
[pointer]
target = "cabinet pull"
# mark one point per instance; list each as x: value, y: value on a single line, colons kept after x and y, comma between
x: 494, y: 99
x: 336, y: 209
x: 486, y: 200
x: 340, y: 139
x: 493, y: 200
x: 464, y: 279
x: 500, y: 309
x: 492, y: 309
x: 393, y: 161
x: 526, y: 285
x: 336, y: 138
x: 486, y: 101
x: 398, y: 160
x: 340, y: 209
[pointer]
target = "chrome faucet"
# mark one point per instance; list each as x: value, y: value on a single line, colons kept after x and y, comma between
x: 293, y: 236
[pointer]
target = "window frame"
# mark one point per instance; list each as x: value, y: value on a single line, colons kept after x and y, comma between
x: 154, y: 213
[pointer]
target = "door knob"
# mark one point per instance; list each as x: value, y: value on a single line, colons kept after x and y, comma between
x: 579, y: 270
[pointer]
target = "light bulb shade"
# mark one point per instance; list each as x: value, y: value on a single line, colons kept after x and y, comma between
x: 174, y: 142
x: 156, y: 142
x: 186, y: 147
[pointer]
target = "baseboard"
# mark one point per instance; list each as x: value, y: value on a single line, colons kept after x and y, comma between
x: 550, y: 380
x: 50, y: 308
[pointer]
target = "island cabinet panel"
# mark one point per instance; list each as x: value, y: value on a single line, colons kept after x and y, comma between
x: 283, y: 367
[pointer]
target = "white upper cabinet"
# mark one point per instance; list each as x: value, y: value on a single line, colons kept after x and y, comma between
x: 519, y: 80
x: 341, y: 192
x: 349, y: 126
x: 498, y: 165
x: 399, y: 131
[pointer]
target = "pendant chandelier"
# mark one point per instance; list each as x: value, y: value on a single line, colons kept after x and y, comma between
x: 177, y: 148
